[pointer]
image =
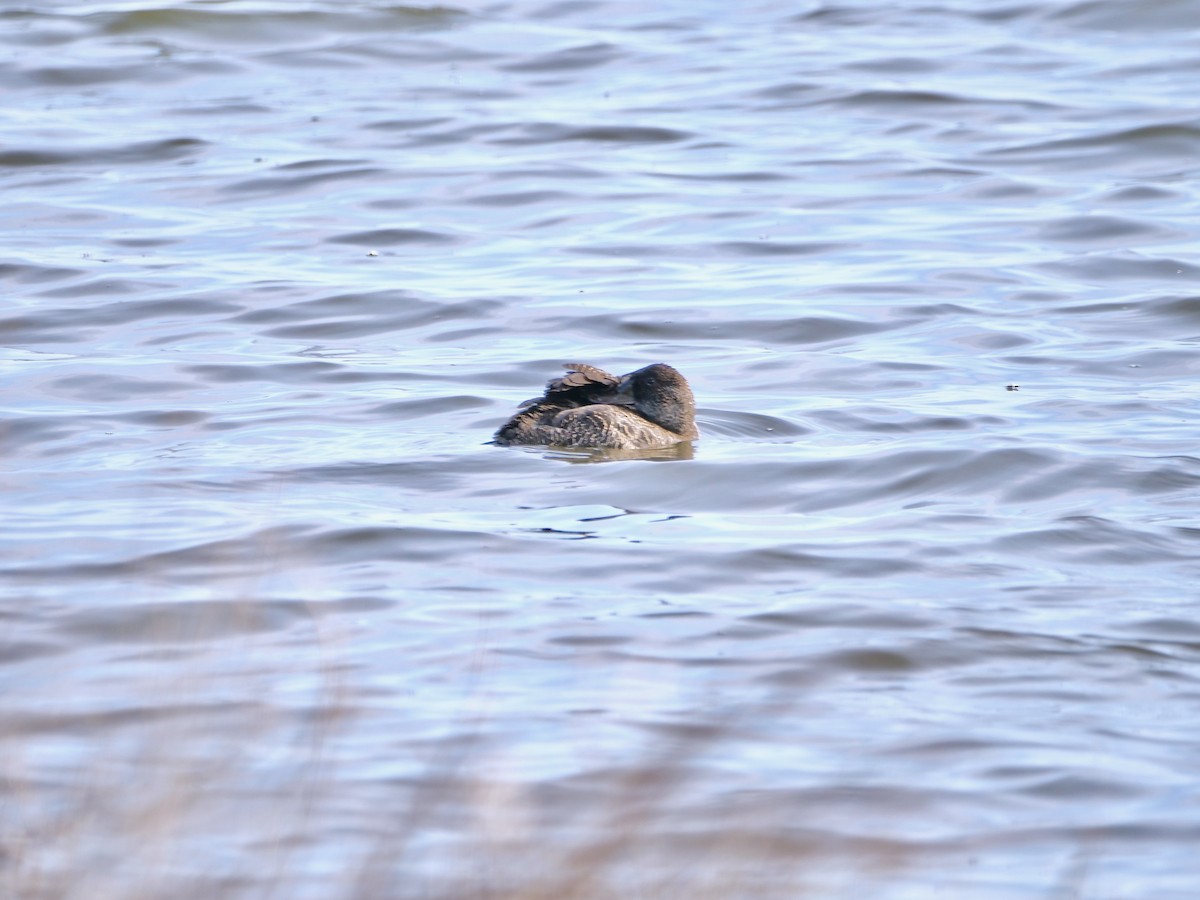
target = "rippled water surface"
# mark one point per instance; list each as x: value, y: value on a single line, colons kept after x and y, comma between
x: 918, y: 617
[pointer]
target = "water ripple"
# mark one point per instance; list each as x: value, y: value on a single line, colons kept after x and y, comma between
x: 276, y: 272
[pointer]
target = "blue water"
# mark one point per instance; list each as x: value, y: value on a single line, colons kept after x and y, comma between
x: 919, y: 616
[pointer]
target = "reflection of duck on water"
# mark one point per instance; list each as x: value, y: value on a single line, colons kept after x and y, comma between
x: 644, y: 410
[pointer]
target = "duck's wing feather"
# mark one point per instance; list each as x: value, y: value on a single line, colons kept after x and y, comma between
x: 581, y: 375
x: 584, y: 385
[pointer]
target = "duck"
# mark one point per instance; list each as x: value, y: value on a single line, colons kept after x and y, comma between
x: 649, y: 409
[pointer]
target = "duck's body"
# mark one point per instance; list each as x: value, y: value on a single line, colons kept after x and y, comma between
x: 644, y: 410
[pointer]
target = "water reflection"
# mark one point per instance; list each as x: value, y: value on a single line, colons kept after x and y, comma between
x: 683, y: 450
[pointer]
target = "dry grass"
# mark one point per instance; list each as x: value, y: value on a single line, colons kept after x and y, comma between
x: 279, y: 817
x: 225, y: 776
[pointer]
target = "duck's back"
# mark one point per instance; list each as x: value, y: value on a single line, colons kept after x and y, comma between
x: 581, y: 386
x: 608, y: 427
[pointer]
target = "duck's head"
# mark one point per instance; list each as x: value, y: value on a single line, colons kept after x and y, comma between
x: 663, y: 396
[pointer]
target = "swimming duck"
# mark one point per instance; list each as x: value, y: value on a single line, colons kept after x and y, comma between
x: 644, y: 410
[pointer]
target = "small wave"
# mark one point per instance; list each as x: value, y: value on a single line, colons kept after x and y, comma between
x: 166, y: 150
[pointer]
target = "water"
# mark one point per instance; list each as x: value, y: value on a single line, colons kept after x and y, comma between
x: 919, y: 617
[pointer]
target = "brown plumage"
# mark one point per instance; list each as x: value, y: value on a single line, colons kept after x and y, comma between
x: 644, y: 410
